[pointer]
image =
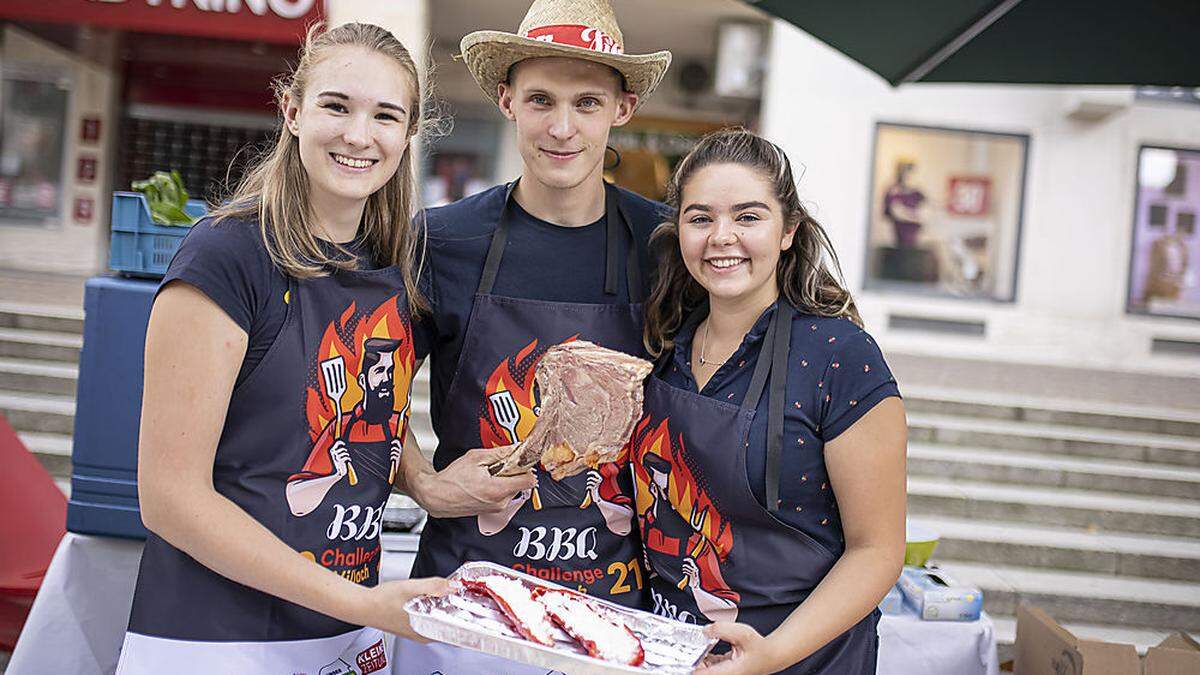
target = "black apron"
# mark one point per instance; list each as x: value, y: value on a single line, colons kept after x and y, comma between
x: 318, y: 480
x: 577, y: 532
x: 714, y: 552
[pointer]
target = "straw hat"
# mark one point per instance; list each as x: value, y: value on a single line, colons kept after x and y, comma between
x: 580, y: 29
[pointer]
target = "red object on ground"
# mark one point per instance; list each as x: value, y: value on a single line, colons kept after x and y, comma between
x: 33, y: 516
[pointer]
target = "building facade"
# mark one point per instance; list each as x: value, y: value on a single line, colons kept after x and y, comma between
x: 1026, y: 201
x: 1036, y: 224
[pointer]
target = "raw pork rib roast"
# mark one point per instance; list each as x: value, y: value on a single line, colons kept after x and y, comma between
x: 591, y: 398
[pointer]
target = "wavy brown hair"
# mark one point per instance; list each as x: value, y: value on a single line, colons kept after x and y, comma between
x: 808, y: 274
x: 275, y: 190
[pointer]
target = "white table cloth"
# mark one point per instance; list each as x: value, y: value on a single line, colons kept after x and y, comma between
x: 78, y: 620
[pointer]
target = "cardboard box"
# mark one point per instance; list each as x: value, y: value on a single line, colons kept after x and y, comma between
x: 937, y: 597
x: 1176, y: 655
x: 1044, y: 647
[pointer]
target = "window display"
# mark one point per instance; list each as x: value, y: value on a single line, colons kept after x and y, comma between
x: 33, y: 113
x: 945, y: 214
x: 1162, y: 270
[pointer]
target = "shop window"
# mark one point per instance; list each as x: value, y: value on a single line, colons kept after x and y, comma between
x: 461, y: 163
x: 210, y: 151
x: 33, y: 126
x: 945, y: 212
x: 1163, y: 277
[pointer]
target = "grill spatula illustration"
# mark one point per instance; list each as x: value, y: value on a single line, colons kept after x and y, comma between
x: 333, y: 373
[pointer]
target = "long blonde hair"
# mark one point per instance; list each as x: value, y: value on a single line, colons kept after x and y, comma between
x: 274, y: 191
x: 808, y: 274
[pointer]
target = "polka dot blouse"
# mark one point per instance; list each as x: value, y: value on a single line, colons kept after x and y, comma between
x: 836, y: 374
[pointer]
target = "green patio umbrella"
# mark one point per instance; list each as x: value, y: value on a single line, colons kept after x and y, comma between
x: 1130, y: 42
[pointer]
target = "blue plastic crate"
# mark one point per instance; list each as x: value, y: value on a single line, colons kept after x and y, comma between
x: 139, y: 246
x: 108, y: 406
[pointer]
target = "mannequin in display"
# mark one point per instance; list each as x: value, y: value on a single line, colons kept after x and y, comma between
x: 902, y: 205
x: 1168, y: 271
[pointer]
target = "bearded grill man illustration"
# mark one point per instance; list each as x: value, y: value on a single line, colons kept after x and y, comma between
x: 371, y: 422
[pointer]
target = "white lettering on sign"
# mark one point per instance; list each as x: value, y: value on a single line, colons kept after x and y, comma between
x: 287, y: 9
x: 565, y: 543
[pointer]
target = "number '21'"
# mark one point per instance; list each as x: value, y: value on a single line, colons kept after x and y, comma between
x: 624, y: 570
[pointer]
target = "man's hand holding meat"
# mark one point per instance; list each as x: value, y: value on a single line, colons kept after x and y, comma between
x: 465, y: 487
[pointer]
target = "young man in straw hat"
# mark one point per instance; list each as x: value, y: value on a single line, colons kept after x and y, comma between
x: 556, y: 255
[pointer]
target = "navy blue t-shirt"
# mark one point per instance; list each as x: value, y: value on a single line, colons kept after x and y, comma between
x: 836, y: 374
x: 542, y: 261
x: 228, y: 262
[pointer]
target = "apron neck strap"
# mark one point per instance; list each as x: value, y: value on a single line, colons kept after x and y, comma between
x: 768, y: 356
x: 615, y: 222
x: 772, y: 370
x: 496, y: 250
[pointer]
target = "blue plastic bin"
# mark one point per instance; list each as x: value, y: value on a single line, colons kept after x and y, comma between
x: 140, y: 247
x: 108, y: 408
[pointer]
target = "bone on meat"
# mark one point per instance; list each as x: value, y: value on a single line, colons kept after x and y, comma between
x: 591, y: 398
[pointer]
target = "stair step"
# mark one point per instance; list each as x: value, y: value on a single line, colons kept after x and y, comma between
x: 36, y: 376
x: 45, y: 413
x: 1062, y: 548
x: 1080, y: 596
x: 1070, y: 412
x: 1140, y: 637
x: 35, y: 317
x: 58, y: 445
x: 21, y: 343
x: 1026, y: 468
x: 1054, y: 439
x: 52, y: 450
x: 1054, y: 506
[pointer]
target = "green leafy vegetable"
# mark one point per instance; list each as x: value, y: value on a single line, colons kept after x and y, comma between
x: 167, y: 198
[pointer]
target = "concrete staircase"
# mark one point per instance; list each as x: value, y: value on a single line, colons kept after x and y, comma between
x: 39, y: 365
x: 1088, y: 510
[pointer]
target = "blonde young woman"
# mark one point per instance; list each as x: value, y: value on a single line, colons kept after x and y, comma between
x: 278, y: 361
x: 769, y: 465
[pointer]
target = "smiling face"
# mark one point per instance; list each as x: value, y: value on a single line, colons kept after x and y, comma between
x: 564, y: 109
x: 352, y: 123
x: 731, y: 231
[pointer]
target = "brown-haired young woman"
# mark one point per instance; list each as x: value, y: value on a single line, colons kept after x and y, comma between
x: 278, y: 362
x: 769, y: 465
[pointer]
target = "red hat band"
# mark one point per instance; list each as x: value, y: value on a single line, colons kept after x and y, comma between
x: 585, y: 37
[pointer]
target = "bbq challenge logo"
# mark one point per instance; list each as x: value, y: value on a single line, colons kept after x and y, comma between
x: 510, y: 407
x: 684, y: 536
x: 356, y: 408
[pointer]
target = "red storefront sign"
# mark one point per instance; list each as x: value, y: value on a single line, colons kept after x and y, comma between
x: 280, y: 21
